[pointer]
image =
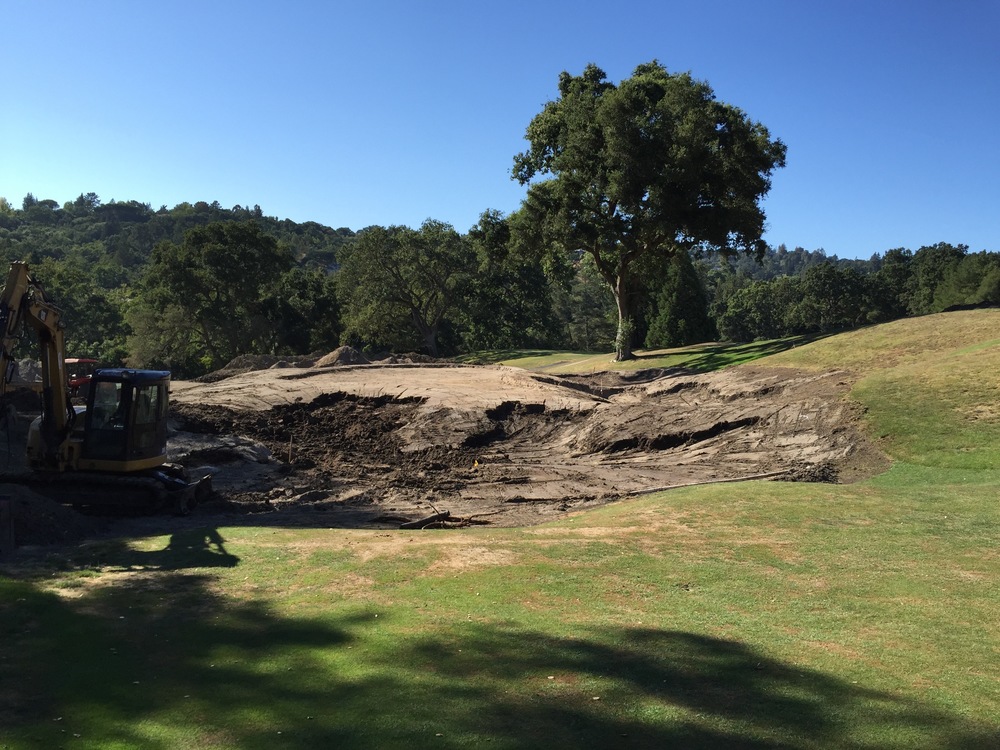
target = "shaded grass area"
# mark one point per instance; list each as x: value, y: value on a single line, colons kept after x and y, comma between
x: 700, y: 357
x: 758, y: 615
x: 683, y: 625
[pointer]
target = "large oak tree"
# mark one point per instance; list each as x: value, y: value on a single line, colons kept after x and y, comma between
x: 396, y: 281
x: 653, y: 165
x: 210, y: 298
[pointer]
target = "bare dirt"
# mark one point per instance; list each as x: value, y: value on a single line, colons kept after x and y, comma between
x: 379, y: 445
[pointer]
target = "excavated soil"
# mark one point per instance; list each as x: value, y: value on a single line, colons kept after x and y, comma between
x: 381, y: 445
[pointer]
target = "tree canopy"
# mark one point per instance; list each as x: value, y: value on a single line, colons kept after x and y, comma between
x: 652, y: 165
x: 642, y: 220
x: 508, y: 301
x: 399, y: 286
x: 678, y: 314
x: 211, y: 297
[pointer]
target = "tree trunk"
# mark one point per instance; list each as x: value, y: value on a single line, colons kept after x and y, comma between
x: 626, y: 323
x: 430, y: 342
x: 428, y: 331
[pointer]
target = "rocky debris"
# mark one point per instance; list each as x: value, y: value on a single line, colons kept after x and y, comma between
x: 29, y: 370
x: 825, y: 472
x: 190, y: 449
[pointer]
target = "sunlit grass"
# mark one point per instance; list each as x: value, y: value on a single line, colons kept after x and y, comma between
x: 797, y: 615
x: 911, y: 341
x: 942, y: 409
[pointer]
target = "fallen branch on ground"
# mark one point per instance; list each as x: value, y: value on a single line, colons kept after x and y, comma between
x: 425, y: 522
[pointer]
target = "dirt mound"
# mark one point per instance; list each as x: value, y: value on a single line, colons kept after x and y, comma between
x: 345, y: 355
x: 518, y: 448
x: 383, y: 445
x: 40, y: 521
x: 24, y: 400
x: 417, y: 358
x: 252, y: 362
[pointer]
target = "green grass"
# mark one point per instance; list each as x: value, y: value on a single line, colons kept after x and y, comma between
x: 756, y: 615
x: 902, y: 342
x: 700, y: 357
x: 930, y: 385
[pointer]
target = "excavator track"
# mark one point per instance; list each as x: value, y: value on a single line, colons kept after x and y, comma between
x: 156, y: 491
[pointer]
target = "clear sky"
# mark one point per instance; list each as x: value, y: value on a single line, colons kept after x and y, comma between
x: 392, y: 112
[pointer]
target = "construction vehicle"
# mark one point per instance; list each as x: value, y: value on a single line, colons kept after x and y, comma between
x: 113, y: 450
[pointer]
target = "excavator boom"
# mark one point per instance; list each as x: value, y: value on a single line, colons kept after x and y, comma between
x: 23, y: 302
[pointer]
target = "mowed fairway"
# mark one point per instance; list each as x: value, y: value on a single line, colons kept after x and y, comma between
x: 752, y: 615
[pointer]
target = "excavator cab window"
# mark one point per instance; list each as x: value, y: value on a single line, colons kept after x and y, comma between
x: 149, y: 422
x: 104, y: 435
x: 108, y: 409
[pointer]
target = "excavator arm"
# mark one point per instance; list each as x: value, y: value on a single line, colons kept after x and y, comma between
x: 23, y: 302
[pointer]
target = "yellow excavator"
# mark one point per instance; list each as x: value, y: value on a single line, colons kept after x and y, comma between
x: 113, y: 450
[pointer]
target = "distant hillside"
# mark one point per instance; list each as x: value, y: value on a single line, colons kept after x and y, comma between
x: 127, y: 231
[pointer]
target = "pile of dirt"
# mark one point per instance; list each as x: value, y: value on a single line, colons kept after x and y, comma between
x: 40, y: 521
x: 252, y: 362
x: 416, y: 358
x: 382, y: 445
x: 24, y: 400
x: 345, y: 355
x: 518, y: 448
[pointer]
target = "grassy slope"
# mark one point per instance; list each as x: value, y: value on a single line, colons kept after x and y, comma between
x: 697, y: 357
x: 931, y: 385
x: 755, y: 615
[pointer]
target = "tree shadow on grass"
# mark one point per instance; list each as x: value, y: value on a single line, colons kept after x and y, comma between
x: 702, y: 358
x: 495, y: 357
x: 716, y: 356
x: 707, y: 692
x: 201, y: 547
x: 171, y: 662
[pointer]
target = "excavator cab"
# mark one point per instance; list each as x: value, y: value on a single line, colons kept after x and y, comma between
x: 125, y: 427
x: 122, y: 429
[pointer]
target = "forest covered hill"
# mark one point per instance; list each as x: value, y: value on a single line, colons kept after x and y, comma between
x: 192, y: 286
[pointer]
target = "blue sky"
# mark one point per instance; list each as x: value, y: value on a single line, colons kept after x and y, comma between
x: 394, y: 112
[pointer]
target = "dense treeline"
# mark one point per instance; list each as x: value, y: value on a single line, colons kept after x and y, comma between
x: 834, y: 295
x: 162, y: 287
x: 194, y: 286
